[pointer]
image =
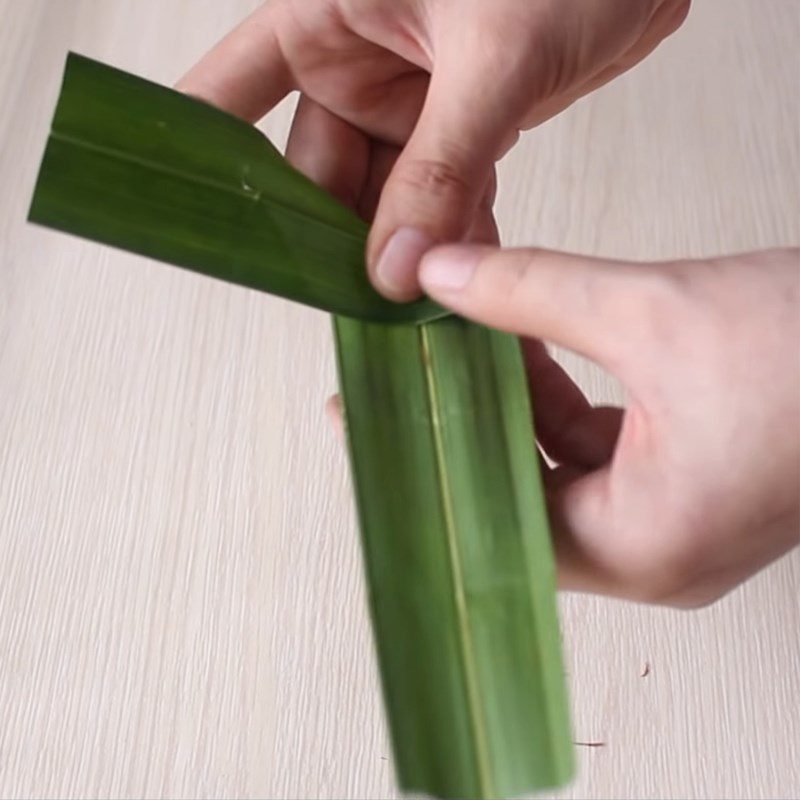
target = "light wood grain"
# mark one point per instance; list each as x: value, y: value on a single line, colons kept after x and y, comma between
x: 181, y: 601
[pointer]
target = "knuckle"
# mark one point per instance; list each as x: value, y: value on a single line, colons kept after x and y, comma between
x: 435, y: 178
x: 680, y: 10
x: 510, y: 279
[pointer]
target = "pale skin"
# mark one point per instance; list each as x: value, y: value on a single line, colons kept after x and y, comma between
x: 406, y: 105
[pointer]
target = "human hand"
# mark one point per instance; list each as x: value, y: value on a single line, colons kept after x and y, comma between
x: 452, y: 82
x: 696, y: 486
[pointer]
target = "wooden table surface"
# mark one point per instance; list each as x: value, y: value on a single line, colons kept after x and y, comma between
x: 181, y: 602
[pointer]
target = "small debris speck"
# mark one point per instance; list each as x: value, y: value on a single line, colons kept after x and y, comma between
x: 590, y: 744
x: 645, y: 670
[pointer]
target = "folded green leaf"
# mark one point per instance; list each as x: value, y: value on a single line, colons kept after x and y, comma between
x: 458, y: 556
x: 459, y: 566
x: 142, y: 167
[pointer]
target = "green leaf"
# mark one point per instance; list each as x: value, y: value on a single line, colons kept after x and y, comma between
x: 459, y: 565
x: 458, y: 557
x: 142, y: 167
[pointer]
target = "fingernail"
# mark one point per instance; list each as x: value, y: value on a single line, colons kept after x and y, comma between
x: 449, y: 269
x: 396, y: 271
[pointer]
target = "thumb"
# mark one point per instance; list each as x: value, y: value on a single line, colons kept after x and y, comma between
x: 434, y: 188
x: 605, y: 310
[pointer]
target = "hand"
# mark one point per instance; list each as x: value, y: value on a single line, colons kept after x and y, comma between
x: 696, y: 486
x: 452, y: 82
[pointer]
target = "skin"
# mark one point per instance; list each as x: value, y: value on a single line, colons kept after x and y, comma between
x: 451, y: 82
x: 694, y: 486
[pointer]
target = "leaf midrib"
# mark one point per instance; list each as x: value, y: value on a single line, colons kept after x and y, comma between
x: 201, y: 180
x: 474, y: 708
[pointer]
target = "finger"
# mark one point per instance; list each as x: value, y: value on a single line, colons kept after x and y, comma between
x: 434, y: 190
x: 509, y: 142
x: 556, y: 478
x: 483, y: 229
x: 570, y: 430
x: 669, y: 17
x: 579, y: 512
x: 603, y: 309
x: 335, y: 415
x: 390, y: 109
x: 381, y: 160
x: 666, y: 19
x: 245, y: 73
x: 329, y: 150
x: 472, y: 110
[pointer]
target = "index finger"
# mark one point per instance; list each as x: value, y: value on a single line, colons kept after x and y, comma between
x: 246, y: 73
